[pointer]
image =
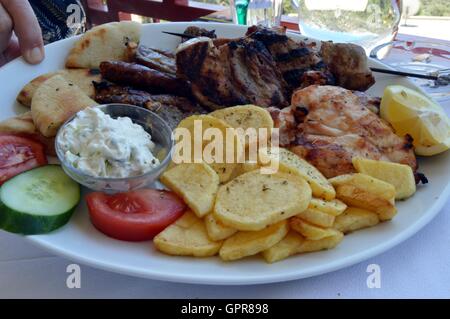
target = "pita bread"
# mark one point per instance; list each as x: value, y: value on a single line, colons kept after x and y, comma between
x: 80, y: 77
x: 23, y: 125
x: 102, y: 43
x: 54, y: 102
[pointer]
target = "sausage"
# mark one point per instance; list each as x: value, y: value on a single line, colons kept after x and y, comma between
x: 145, y: 78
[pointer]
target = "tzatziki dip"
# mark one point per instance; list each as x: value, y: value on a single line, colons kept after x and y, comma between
x: 100, y: 146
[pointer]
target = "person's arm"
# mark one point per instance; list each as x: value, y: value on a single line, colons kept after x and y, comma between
x: 17, y: 16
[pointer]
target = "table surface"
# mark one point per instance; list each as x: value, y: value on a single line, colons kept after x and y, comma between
x: 419, y: 267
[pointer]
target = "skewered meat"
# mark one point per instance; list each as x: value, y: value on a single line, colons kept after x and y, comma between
x: 239, y: 72
x: 194, y: 31
x: 329, y: 125
x: 142, y: 77
x: 265, y: 67
x: 348, y: 63
x: 156, y: 60
x: 292, y: 58
x: 171, y: 108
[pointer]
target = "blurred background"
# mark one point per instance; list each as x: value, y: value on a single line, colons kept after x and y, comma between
x: 425, y: 18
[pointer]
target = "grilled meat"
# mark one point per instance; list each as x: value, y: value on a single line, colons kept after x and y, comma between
x: 371, y: 102
x: 142, y: 77
x: 265, y: 67
x: 106, y: 92
x: 193, y: 31
x: 292, y: 58
x: 315, y: 78
x: 171, y: 108
x: 156, y: 60
x: 329, y: 125
x: 348, y: 63
x: 239, y: 72
x: 343, y: 64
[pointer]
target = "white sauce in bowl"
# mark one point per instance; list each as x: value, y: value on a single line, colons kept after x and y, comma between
x: 100, y: 146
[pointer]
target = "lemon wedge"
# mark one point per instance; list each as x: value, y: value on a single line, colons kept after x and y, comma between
x: 413, y: 113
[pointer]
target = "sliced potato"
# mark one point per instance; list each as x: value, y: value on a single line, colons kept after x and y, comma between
x: 294, y: 243
x: 186, y: 237
x: 232, y: 150
x: 310, y: 231
x: 364, y: 191
x: 197, y: 184
x: 254, y: 200
x: 216, y: 230
x: 245, y: 167
x: 293, y: 164
x: 399, y: 175
x: 317, y: 217
x: 366, y: 182
x: 245, y: 117
x: 250, y: 243
x: 355, y: 218
x: 333, y: 207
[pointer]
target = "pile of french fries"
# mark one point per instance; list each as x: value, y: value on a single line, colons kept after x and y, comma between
x: 236, y: 211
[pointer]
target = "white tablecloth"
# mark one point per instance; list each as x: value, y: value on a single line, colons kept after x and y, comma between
x: 419, y: 267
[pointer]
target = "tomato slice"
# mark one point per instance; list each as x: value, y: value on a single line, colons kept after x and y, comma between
x: 136, y: 215
x: 19, y: 154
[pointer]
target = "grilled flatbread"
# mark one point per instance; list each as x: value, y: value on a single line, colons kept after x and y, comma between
x: 102, y: 43
x: 54, y: 102
x: 80, y: 77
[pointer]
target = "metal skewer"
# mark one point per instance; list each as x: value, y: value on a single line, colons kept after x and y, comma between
x: 401, y: 73
x: 188, y: 36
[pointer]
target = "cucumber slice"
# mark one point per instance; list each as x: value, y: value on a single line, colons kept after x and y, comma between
x: 38, y: 201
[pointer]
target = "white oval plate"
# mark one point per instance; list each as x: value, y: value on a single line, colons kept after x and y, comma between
x: 80, y: 241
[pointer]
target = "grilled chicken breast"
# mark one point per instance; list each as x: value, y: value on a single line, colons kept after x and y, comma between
x: 328, y: 125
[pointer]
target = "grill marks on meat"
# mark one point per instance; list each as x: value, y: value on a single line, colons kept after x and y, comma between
x: 265, y: 67
x: 144, y: 78
x: 337, y: 126
x: 292, y: 58
x: 171, y: 108
x: 253, y: 70
x: 239, y: 72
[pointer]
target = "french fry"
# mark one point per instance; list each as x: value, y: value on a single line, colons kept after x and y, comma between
x: 310, y: 231
x: 244, y: 244
x: 294, y: 243
x: 355, y: 218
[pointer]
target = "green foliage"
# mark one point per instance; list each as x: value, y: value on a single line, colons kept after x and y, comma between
x: 434, y: 8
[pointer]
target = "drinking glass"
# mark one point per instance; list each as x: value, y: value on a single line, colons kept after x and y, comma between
x: 364, y: 22
x: 256, y: 12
